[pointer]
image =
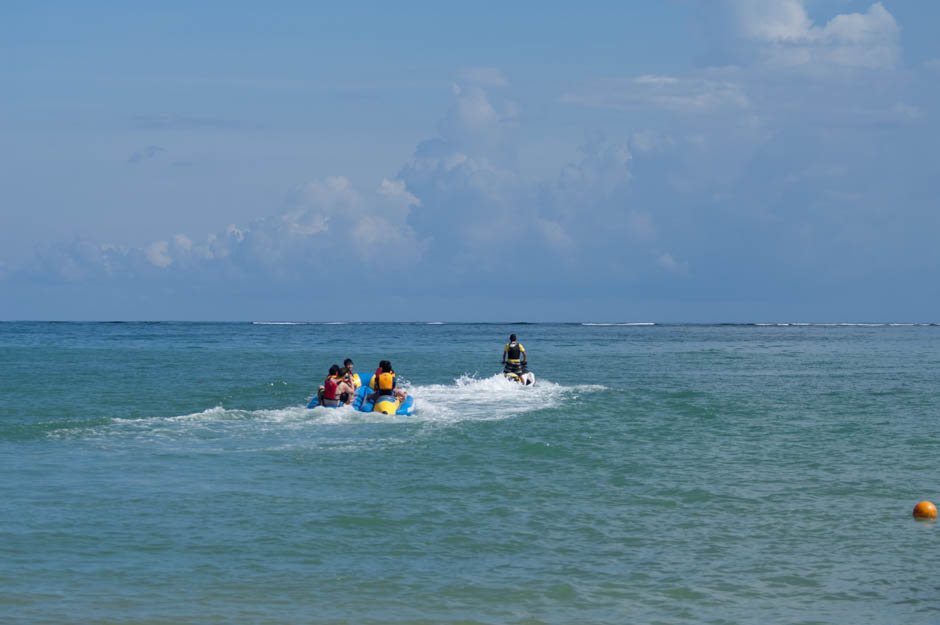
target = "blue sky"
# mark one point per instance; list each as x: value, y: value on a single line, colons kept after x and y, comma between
x: 681, y: 160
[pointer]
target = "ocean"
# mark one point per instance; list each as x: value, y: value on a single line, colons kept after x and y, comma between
x: 158, y: 473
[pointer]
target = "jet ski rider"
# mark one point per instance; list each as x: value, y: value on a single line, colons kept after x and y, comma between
x: 514, y: 358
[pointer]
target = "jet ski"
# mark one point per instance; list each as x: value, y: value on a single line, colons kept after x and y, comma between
x: 386, y: 404
x: 520, y: 374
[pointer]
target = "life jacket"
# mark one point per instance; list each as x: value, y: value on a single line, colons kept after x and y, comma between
x: 329, y: 388
x: 356, y: 380
x: 513, y: 351
x: 384, y: 382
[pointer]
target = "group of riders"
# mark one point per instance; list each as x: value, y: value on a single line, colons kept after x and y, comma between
x: 340, y: 386
x: 342, y: 383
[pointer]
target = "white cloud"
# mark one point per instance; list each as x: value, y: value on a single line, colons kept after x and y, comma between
x: 669, y: 263
x: 305, y: 224
x: 789, y: 39
x: 183, y: 242
x: 472, y: 110
x: 378, y: 239
x: 774, y: 20
x: 329, y: 220
x: 651, y: 141
x: 157, y: 254
x: 475, y: 126
x: 455, y: 207
x: 398, y: 195
x: 333, y: 195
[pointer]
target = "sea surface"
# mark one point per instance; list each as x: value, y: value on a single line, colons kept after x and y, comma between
x: 158, y: 473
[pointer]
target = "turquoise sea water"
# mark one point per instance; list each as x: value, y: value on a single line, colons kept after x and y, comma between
x: 169, y: 473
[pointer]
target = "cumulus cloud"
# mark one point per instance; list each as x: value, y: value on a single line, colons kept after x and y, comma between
x: 474, y: 124
x: 788, y: 38
x: 774, y: 20
x: 335, y: 194
x: 156, y: 253
x: 328, y: 222
x: 398, y: 194
x: 788, y: 153
x: 779, y: 63
x: 459, y: 212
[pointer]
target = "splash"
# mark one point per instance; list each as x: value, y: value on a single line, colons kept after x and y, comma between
x: 471, y: 398
x: 222, y: 429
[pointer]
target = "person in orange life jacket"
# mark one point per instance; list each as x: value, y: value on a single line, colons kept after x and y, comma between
x: 335, y: 390
x: 514, y: 358
x: 384, y: 382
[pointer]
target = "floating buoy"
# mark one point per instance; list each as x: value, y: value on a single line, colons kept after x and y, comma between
x: 925, y: 511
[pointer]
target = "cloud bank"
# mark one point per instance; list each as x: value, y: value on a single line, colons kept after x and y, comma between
x: 767, y: 185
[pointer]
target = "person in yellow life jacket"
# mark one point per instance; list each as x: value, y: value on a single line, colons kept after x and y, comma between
x: 352, y: 378
x: 514, y: 358
x: 383, y: 382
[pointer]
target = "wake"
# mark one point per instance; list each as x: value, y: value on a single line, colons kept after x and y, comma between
x: 468, y: 398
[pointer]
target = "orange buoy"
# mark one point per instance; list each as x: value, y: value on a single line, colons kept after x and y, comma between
x: 925, y: 511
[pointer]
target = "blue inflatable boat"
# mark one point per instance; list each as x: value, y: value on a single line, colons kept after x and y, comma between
x: 387, y: 404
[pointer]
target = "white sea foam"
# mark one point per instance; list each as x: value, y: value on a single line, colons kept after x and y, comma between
x: 629, y: 323
x: 468, y: 398
x: 844, y: 324
x: 485, y: 399
x: 219, y: 428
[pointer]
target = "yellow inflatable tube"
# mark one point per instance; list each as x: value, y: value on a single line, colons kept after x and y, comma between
x: 387, y: 404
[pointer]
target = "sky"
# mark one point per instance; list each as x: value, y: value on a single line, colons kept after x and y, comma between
x: 671, y: 161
